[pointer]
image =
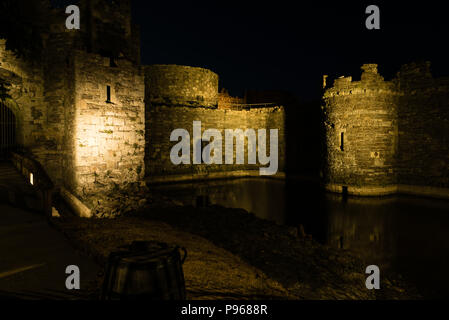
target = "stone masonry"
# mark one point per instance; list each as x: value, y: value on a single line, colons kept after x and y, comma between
x: 167, y: 110
x: 387, y: 137
x: 99, y: 122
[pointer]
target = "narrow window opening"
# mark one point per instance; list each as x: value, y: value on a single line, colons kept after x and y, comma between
x: 108, y: 93
x: 31, y: 179
x: 112, y: 62
x: 342, y: 141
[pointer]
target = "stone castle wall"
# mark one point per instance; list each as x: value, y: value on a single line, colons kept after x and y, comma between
x: 174, y: 85
x: 393, y: 132
x: 108, y: 136
x: 361, y: 123
x: 98, y: 121
x: 88, y: 113
x: 162, y: 120
x: 175, y: 96
x: 63, y: 119
x: 85, y: 143
x: 226, y: 101
x: 27, y: 102
x: 423, y: 157
x: 109, y: 30
x: 59, y: 78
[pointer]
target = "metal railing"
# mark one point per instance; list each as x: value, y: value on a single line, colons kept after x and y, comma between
x: 240, y: 106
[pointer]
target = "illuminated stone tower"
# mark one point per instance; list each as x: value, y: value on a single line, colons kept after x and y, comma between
x: 387, y: 137
x: 361, y: 134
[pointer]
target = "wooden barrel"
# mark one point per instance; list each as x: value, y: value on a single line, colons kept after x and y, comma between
x: 145, y: 270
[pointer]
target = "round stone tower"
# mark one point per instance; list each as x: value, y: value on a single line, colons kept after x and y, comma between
x: 361, y: 134
x: 174, y: 85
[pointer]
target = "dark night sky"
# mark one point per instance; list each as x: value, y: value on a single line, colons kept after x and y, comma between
x: 289, y: 45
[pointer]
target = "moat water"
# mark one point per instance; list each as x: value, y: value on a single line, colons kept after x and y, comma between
x: 406, y: 235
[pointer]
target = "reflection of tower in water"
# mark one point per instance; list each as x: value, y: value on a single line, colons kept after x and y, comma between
x: 359, y: 225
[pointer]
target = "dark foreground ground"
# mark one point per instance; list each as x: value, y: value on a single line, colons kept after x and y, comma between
x: 234, y: 255
x: 34, y: 257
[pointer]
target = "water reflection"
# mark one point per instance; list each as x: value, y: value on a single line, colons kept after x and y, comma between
x: 263, y: 197
x: 400, y: 234
x: 361, y: 225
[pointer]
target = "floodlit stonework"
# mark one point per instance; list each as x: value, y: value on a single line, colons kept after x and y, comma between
x: 98, y: 121
x: 387, y: 137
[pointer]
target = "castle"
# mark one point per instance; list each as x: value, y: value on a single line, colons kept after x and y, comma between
x: 96, y: 119
x: 386, y: 137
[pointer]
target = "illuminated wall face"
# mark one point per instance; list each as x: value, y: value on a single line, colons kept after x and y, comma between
x: 176, y: 96
x: 362, y: 142
x: 387, y: 134
x: 162, y: 120
x: 175, y: 85
x: 109, y: 125
x: 361, y: 126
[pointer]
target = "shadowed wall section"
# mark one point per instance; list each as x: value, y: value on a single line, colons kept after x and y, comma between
x: 28, y: 105
x: 423, y: 157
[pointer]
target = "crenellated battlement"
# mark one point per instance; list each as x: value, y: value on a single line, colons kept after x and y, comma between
x: 384, y: 134
x: 410, y: 78
x: 371, y: 83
